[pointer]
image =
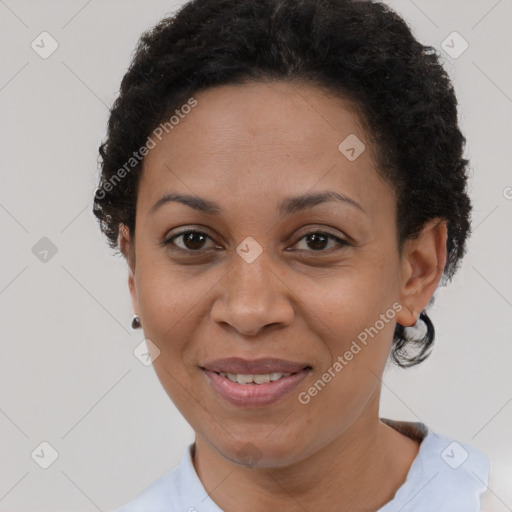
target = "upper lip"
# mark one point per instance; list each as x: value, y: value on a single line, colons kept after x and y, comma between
x: 256, y: 366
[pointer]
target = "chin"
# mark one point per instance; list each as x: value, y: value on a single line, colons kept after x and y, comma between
x: 253, y: 450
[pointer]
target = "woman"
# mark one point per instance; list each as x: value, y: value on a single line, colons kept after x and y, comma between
x: 286, y: 181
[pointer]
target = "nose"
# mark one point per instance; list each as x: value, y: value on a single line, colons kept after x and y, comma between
x: 253, y: 298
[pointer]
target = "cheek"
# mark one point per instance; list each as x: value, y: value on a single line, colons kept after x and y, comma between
x: 170, y: 305
x: 352, y: 300
x: 166, y: 297
x: 355, y: 318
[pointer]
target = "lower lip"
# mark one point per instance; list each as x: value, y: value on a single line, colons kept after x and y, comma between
x: 255, y: 394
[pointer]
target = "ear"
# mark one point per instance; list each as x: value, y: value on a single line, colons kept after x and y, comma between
x: 422, y: 264
x: 128, y: 249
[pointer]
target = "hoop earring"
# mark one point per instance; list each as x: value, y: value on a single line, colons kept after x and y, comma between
x: 136, y: 323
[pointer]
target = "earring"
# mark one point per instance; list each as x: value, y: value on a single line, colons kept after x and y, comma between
x: 136, y: 324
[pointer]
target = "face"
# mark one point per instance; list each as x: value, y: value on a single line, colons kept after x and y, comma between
x: 253, y: 282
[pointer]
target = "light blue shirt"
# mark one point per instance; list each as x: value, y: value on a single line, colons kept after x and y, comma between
x: 445, y: 476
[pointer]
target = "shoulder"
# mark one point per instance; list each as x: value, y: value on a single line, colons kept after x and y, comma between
x: 446, y: 475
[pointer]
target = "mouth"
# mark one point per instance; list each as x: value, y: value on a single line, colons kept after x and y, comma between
x: 254, y: 383
x: 261, y: 378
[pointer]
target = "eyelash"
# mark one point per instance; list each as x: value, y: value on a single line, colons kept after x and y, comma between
x: 342, y: 243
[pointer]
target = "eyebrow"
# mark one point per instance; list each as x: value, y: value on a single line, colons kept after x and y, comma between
x: 289, y: 206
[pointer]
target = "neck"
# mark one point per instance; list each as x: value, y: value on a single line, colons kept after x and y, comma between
x: 361, y: 469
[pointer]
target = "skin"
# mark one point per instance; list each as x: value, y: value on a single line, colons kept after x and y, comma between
x: 248, y: 147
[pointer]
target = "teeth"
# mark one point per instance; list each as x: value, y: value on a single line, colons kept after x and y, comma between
x: 244, y: 379
x: 261, y: 379
x: 241, y: 378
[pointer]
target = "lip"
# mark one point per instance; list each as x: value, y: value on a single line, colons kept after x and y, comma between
x: 254, y: 395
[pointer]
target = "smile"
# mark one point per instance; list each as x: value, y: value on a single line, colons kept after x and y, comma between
x: 263, y: 378
x: 250, y: 384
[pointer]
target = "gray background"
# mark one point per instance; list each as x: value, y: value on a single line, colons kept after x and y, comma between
x: 68, y: 373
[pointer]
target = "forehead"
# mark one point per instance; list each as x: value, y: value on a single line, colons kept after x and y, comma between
x: 263, y: 139
x: 267, y: 116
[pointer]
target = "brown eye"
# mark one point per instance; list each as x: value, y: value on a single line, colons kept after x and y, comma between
x: 190, y: 240
x: 319, y: 241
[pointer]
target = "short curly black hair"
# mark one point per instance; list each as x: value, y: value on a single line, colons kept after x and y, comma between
x: 359, y: 49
